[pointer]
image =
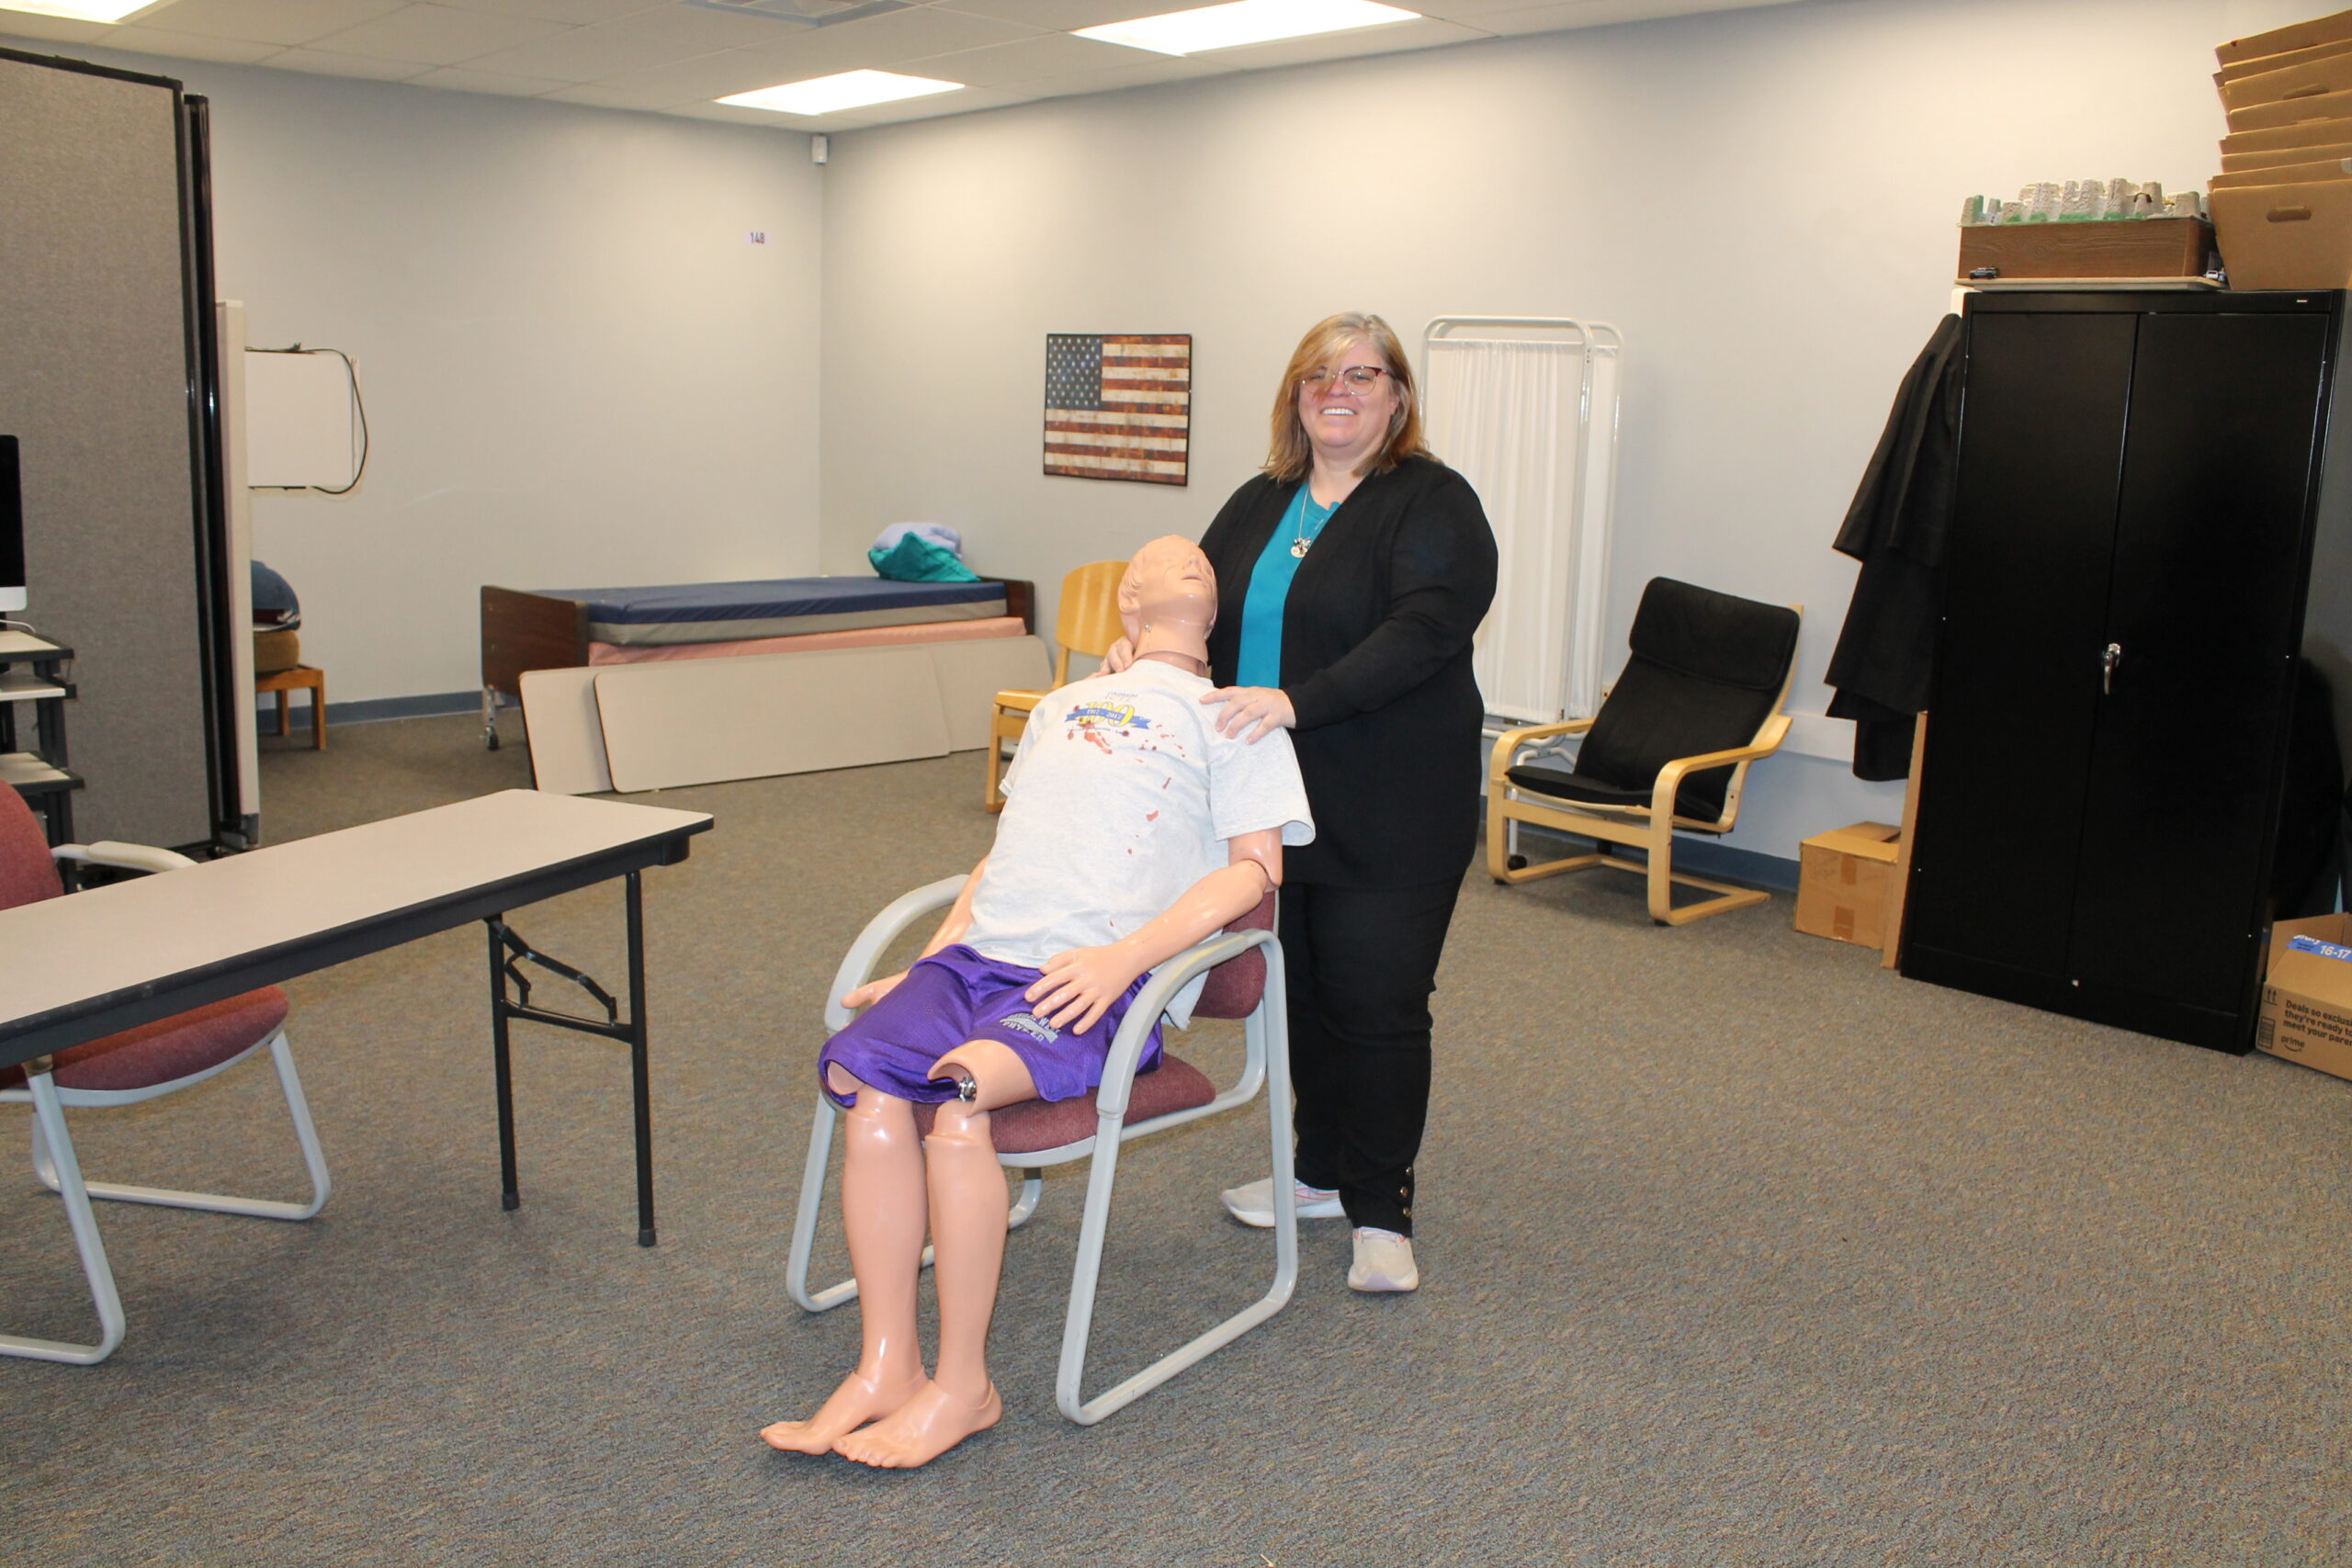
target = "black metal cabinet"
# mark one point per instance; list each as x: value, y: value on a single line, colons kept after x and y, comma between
x: 2142, y: 486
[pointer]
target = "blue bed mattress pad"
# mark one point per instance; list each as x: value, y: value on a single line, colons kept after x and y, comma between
x: 782, y: 606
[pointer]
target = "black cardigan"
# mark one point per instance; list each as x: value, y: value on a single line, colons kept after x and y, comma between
x: 1376, y: 660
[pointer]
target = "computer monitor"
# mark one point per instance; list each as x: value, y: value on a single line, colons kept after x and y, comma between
x: 12, y: 529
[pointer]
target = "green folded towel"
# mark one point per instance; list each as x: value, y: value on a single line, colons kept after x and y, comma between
x: 916, y: 559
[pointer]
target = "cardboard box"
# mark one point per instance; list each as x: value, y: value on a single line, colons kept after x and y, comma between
x: 1846, y: 883
x: 2286, y: 174
x: 2294, y: 111
x: 2328, y: 74
x: 2285, y: 236
x: 2311, y: 133
x: 2243, y: 162
x: 2238, y: 71
x: 2307, y: 998
x: 2145, y: 247
x: 2336, y: 28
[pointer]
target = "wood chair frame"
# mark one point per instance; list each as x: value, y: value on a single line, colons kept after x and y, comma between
x: 1649, y: 828
x: 1087, y: 623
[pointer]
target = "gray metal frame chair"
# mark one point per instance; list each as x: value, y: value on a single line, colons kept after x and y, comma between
x: 57, y: 1167
x: 1265, y: 1065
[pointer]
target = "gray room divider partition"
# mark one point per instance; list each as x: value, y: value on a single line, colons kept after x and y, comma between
x: 105, y: 309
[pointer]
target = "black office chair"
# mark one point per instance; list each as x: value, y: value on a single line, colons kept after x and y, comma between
x: 1698, y: 702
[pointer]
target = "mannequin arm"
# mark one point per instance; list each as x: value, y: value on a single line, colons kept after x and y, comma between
x: 950, y: 932
x: 1080, y: 983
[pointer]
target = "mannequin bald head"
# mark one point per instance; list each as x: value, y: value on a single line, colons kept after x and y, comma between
x: 1167, y: 602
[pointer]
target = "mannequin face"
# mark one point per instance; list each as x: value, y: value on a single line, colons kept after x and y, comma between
x: 1168, y: 599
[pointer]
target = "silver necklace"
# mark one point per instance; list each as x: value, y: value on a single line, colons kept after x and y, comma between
x: 1306, y: 541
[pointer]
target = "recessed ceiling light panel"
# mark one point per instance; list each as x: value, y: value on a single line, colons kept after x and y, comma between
x: 849, y: 90
x: 80, y: 10
x: 1246, y: 21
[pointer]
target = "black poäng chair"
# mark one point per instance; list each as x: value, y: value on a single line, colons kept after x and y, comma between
x: 1698, y: 702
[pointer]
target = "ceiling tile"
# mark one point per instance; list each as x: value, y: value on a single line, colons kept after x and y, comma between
x: 882, y: 42
x: 705, y: 77
x: 1025, y: 60
x: 579, y: 13
x: 188, y: 46
x: 319, y: 63
x: 1062, y: 16
x: 605, y: 97
x: 1164, y: 68
x: 641, y: 39
x: 438, y: 34
x: 51, y: 29
x: 267, y: 21
x: 462, y: 79
x: 1600, y: 13
x: 1391, y: 39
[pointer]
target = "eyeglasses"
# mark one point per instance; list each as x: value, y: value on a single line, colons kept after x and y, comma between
x: 1354, y: 378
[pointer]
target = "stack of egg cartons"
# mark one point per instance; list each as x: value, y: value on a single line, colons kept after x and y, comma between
x: 2283, y: 204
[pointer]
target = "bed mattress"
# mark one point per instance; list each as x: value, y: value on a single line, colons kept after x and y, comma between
x: 604, y: 653
x: 788, y: 606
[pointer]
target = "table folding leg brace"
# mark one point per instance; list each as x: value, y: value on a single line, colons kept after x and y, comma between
x: 507, y: 952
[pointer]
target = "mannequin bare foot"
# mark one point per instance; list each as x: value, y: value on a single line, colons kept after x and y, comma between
x: 921, y: 1429
x: 860, y: 1399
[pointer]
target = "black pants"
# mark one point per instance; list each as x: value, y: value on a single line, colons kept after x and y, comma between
x: 1361, y: 963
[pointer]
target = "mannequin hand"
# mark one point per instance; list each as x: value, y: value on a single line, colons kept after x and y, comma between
x: 1081, y: 984
x: 873, y: 991
x: 1264, y: 706
x: 1121, y: 654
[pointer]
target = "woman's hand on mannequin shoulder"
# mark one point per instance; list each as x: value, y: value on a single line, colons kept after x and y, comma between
x: 1117, y: 657
x: 1264, y: 706
x: 873, y: 991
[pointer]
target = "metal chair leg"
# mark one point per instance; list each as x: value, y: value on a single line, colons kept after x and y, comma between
x: 49, y: 1117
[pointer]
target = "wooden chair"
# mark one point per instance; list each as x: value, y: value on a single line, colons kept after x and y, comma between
x: 1244, y: 965
x: 1700, y: 700
x: 143, y: 1062
x: 1088, y: 623
x: 301, y: 677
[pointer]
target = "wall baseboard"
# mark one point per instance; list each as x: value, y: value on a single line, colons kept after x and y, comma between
x: 434, y: 704
x: 1749, y: 868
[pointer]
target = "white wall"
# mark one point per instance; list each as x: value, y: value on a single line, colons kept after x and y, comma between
x: 1762, y: 200
x: 577, y: 371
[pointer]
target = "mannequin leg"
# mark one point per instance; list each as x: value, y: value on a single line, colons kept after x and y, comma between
x: 883, y: 1209
x: 969, y: 1205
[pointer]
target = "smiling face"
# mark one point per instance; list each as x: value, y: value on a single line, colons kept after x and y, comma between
x: 1345, y: 423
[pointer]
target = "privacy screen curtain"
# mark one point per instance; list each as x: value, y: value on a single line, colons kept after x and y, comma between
x: 96, y: 371
x: 1531, y: 424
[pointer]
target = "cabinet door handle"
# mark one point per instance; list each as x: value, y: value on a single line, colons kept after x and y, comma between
x: 2107, y: 663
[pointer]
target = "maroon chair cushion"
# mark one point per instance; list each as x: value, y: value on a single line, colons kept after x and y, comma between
x: 176, y: 1047
x: 1235, y: 986
x: 26, y: 872
x: 1033, y: 1124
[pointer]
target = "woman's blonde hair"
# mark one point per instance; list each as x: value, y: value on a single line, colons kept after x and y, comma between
x: 1291, y: 455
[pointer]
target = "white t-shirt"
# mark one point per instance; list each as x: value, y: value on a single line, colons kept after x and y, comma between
x: 1121, y: 797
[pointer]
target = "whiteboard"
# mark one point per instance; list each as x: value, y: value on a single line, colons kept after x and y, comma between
x: 299, y: 425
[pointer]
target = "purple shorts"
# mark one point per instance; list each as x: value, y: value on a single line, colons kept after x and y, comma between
x: 954, y: 996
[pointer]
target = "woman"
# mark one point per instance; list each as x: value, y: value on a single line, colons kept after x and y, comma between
x: 1354, y: 572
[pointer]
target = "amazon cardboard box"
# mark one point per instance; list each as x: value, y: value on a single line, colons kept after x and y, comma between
x: 2285, y: 236
x: 2279, y: 139
x: 2311, y: 79
x: 2291, y: 112
x: 1846, y: 883
x: 2307, y: 996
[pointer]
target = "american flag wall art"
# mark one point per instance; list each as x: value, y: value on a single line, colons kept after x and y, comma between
x: 1119, y: 405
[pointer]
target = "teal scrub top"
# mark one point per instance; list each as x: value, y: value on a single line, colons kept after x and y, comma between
x: 1260, y: 660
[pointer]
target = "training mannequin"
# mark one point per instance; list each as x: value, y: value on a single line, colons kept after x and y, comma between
x: 1132, y: 830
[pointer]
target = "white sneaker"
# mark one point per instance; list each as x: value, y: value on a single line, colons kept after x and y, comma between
x: 1384, y: 1262
x: 1254, y: 1204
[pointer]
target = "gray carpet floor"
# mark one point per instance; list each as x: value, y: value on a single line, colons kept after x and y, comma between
x: 1737, y: 1250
